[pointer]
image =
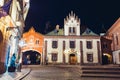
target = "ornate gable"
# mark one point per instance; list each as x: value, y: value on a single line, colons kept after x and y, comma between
x: 72, y: 25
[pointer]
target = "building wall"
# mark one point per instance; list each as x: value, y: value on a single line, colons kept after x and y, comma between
x: 11, y: 34
x: 33, y: 41
x: 116, y: 57
x: 69, y: 50
x: 113, y: 34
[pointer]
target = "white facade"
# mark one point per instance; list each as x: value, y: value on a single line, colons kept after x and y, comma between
x: 71, y: 47
x: 71, y: 25
x: 116, y: 57
x: 67, y: 51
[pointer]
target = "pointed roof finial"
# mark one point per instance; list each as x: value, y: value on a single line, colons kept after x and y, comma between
x: 71, y: 13
x: 32, y: 29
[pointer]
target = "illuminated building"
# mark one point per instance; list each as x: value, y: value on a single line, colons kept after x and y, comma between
x: 32, y: 52
x: 66, y: 46
x: 70, y: 46
x: 11, y: 28
x: 113, y: 34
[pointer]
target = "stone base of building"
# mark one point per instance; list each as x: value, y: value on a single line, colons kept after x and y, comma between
x: 90, y: 64
x: 2, y: 68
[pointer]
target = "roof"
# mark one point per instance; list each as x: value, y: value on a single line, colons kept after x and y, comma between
x: 60, y: 32
x: 89, y: 32
x: 56, y: 32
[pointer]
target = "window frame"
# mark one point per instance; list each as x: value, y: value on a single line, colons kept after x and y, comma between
x: 90, y: 56
x: 54, y: 44
x: 72, y: 45
x: 89, y: 44
x: 54, y: 57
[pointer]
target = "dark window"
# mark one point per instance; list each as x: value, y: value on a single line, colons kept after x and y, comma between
x: 105, y: 45
x: 90, y: 57
x: 70, y: 30
x: 117, y: 40
x: 54, y: 44
x: 74, y: 30
x: 63, y: 45
x: 72, y: 44
x: 119, y: 56
x: 89, y: 44
x: 37, y: 41
x: 81, y: 46
x: 54, y: 56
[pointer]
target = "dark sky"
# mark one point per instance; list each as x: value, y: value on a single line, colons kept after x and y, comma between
x: 93, y: 13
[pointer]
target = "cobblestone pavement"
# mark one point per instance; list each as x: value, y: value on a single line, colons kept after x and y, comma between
x: 59, y: 73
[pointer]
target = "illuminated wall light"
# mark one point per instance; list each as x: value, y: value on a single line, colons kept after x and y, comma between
x: 18, y: 23
x: 1, y: 3
x: 27, y: 0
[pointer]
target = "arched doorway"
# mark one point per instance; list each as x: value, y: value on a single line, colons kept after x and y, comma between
x: 31, y: 58
x: 72, y: 59
x: 106, y: 58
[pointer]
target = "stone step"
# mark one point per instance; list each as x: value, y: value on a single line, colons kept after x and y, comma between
x: 101, y: 75
x: 99, y: 68
x: 100, y: 72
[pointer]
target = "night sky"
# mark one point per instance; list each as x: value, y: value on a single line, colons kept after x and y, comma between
x: 98, y: 15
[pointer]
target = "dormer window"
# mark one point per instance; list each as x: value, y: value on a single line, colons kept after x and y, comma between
x: 71, y: 25
x: 72, y: 30
x: 37, y: 41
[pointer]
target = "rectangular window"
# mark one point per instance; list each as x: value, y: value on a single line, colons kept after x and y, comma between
x: 89, y: 45
x: 54, y: 44
x: 74, y: 31
x: 63, y: 45
x: 90, y: 57
x: 117, y: 40
x: 119, y: 57
x: 37, y: 41
x: 81, y: 46
x: 72, y: 44
x: 45, y: 49
x: 105, y: 45
x: 70, y: 30
x: 54, y: 56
